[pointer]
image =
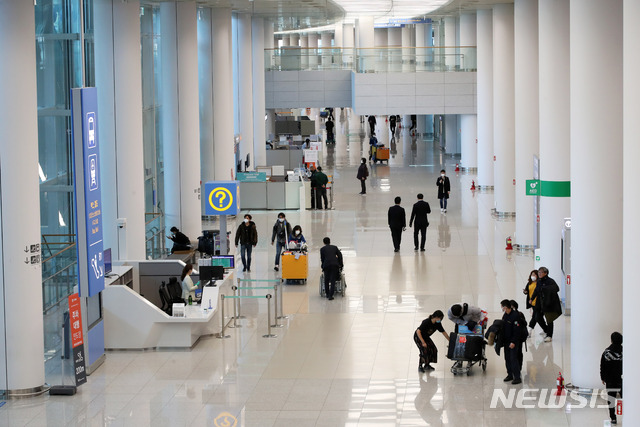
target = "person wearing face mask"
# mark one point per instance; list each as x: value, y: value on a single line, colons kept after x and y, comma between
x: 180, y: 241
x: 281, y: 232
x: 536, y: 311
x: 363, y: 173
x: 296, y: 236
x: 512, y: 341
x: 444, y: 188
x: 426, y: 346
x: 247, y: 236
x: 547, y: 294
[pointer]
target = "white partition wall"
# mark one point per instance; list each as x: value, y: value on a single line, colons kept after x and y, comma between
x: 596, y: 258
x: 554, y: 127
x: 526, y: 117
x: 119, y: 83
x: 631, y: 204
x: 485, y: 98
x: 21, y: 324
x: 503, y: 109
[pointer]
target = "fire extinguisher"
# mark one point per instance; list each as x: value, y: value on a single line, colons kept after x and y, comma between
x: 560, y: 384
x: 509, y: 246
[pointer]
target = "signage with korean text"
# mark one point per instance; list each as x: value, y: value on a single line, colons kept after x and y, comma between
x: 77, y: 341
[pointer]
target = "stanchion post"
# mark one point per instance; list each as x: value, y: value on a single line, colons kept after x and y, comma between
x: 239, y: 315
x: 275, y: 306
x: 281, y: 316
x: 236, y: 300
x: 269, y: 334
x: 221, y: 335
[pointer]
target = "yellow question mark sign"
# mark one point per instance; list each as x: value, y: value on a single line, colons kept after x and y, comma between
x: 221, y: 194
x: 225, y: 419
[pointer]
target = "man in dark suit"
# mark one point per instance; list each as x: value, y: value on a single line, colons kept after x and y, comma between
x: 331, y: 263
x: 397, y: 223
x: 419, y: 214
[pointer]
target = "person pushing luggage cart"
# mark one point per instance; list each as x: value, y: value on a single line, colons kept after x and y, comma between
x: 331, y: 263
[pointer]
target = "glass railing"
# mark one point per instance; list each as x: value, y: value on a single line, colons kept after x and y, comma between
x: 372, y: 60
x: 59, y: 268
x: 154, y: 235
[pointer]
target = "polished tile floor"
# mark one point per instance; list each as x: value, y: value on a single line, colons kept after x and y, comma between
x: 351, y: 361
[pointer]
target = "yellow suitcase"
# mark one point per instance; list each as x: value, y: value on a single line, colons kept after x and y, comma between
x: 295, y: 266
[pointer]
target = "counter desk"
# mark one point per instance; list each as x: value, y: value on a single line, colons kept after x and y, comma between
x: 134, y: 323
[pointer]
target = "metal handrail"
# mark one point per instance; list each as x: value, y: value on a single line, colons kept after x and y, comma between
x: 70, y: 246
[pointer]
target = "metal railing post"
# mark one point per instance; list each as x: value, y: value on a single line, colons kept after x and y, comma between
x: 269, y: 334
x: 275, y: 312
x: 281, y: 316
x: 236, y: 300
x: 221, y: 335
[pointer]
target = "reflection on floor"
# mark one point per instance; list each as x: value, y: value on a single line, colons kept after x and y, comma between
x: 351, y: 361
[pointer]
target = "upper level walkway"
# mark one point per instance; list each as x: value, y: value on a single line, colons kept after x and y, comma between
x: 373, y: 81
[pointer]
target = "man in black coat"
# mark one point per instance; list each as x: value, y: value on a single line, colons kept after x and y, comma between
x: 419, y: 214
x: 363, y: 173
x: 331, y: 263
x: 611, y: 372
x: 397, y: 223
x: 444, y: 188
x: 547, y: 294
x: 372, y: 124
x: 512, y: 342
x: 180, y: 241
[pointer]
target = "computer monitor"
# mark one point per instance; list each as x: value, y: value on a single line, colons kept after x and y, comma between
x: 106, y: 256
x: 211, y: 273
x: 226, y: 261
x: 247, y: 162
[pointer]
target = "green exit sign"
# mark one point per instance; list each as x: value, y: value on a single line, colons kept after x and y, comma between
x: 533, y: 187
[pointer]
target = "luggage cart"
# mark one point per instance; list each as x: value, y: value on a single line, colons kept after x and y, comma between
x: 341, y: 285
x: 295, y: 267
x: 467, y: 349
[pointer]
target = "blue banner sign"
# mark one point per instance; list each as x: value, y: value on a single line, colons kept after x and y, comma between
x: 221, y: 197
x: 86, y: 160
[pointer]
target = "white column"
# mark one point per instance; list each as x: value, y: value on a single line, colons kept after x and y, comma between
x: 469, y: 136
x: 339, y: 35
x: 526, y: 114
x: 468, y: 38
x: 428, y: 42
x: 313, y: 51
x: 485, y: 98
x: 407, y: 51
x: 304, y: 51
x: 503, y: 108
x: 205, y: 89
x: 269, y: 43
x: 294, y: 40
x: 421, y: 56
x: 366, y: 40
x: 596, y: 98
x: 451, y: 133
x: 259, y: 134
x: 554, y: 121
x: 245, y: 87
x: 270, y: 128
x: 449, y: 41
x: 348, y: 44
x: 631, y: 203
x: 119, y: 84
x: 222, y: 95
x: 286, y: 40
x: 394, y: 42
x: 326, y: 49
x: 21, y: 325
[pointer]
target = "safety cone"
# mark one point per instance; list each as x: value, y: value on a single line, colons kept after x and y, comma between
x: 473, y: 185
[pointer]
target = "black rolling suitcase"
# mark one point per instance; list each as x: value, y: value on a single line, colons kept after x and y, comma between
x: 465, y: 347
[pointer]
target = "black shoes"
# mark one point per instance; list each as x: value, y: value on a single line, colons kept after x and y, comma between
x: 429, y: 367
x: 331, y: 298
x: 275, y: 268
x: 415, y: 249
x: 421, y: 369
x: 508, y: 378
x: 517, y: 381
x: 244, y: 269
x: 396, y: 250
x: 422, y: 250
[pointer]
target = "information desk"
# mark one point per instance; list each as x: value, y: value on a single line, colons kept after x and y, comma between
x: 134, y: 323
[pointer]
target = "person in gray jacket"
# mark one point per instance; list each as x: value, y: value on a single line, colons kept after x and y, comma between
x: 467, y: 315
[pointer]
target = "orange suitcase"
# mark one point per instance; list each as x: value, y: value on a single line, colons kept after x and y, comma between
x: 382, y: 154
x: 294, y: 266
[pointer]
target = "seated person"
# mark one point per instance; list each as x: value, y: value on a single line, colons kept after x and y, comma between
x: 297, y: 239
x: 188, y: 288
x: 180, y: 241
x: 468, y: 315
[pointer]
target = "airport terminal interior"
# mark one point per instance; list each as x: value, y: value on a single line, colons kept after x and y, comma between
x: 122, y: 119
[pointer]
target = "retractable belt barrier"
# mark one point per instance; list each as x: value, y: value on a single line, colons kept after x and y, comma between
x: 222, y: 334
x: 278, y: 297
